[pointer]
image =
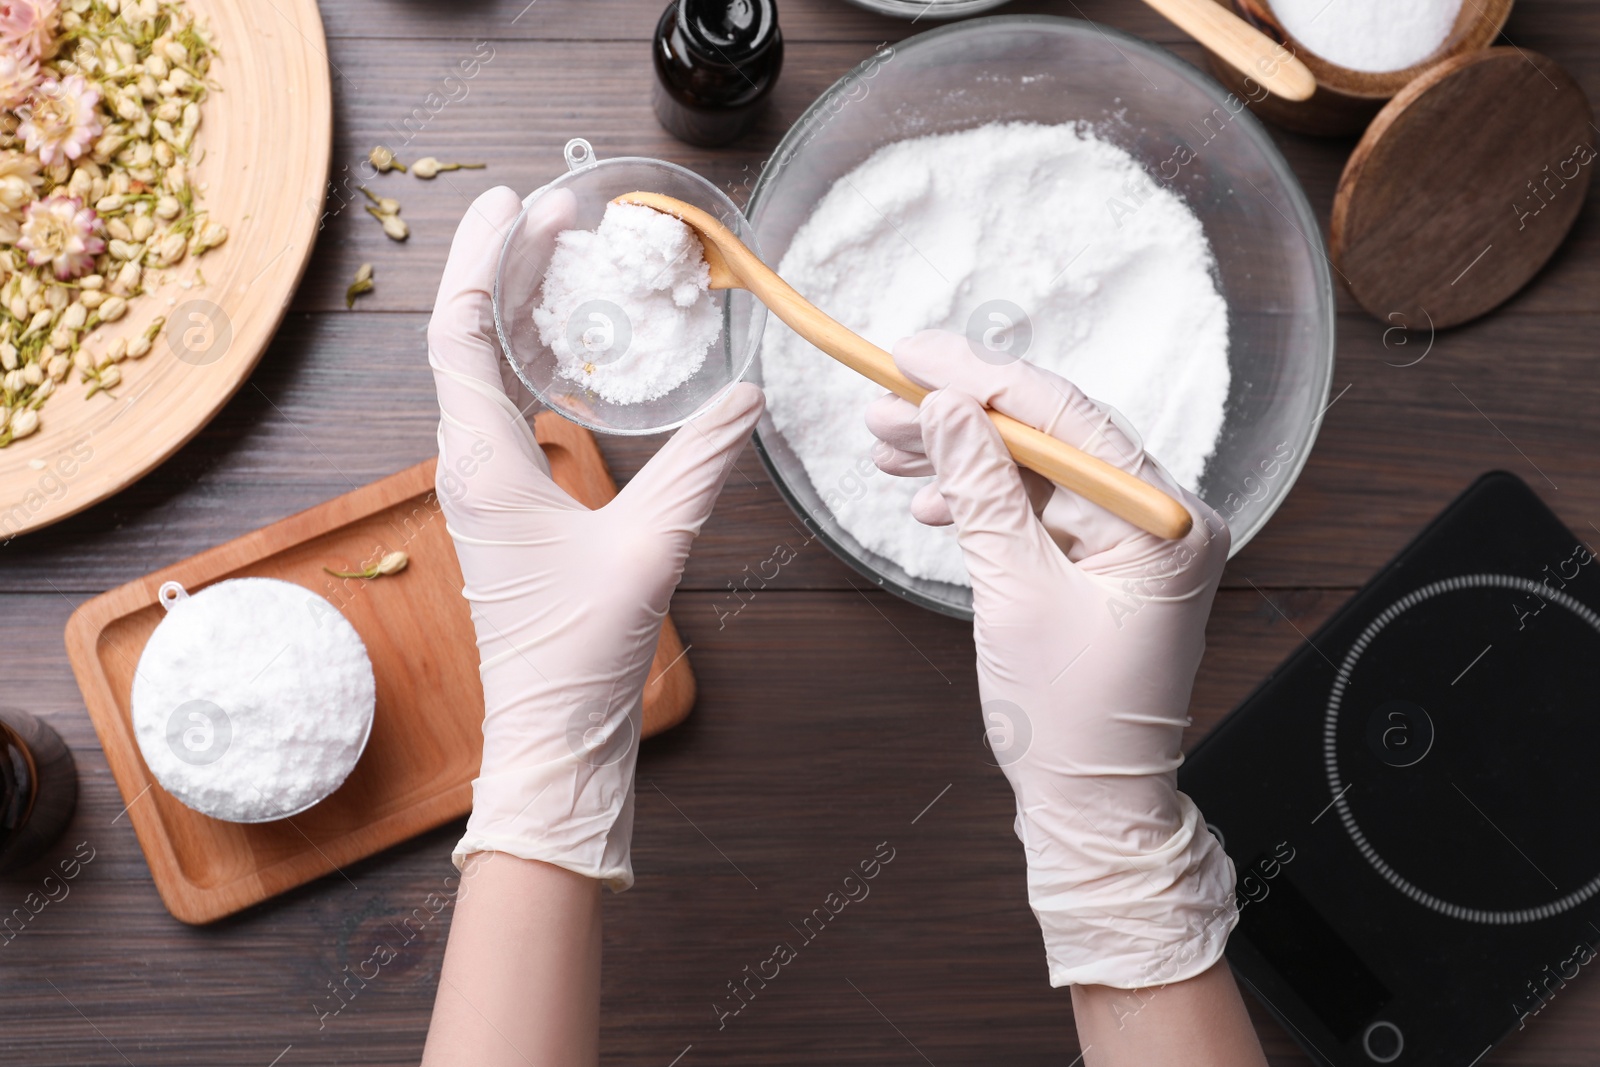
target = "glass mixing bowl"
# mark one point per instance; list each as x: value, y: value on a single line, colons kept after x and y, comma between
x: 916, y: 10
x: 1190, y: 134
x: 602, y: 325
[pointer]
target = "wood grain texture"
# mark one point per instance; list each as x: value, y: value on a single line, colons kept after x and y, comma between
x: 791, y: 771
x: 820, y: 727
x: 524, y: 88
x: 417, y: 770
x: 275, y: 76
x: 1415, y: 417
x: 1463, y: 187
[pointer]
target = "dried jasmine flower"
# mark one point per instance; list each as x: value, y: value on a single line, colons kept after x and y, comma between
x: 100, y: 101
x: 384, y: 160
x: 386, y: 205
x: 393, y: 563
x: 393, y: 225
x: 362, y: 284
x: 427, y: 167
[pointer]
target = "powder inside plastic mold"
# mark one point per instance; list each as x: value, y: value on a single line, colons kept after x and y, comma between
x: 1369, y: 35
x: 252, y: 699
x: 625, y: 307
x: 1111, y: 271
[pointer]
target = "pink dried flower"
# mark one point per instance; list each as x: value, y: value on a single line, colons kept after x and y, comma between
x: 19, y: 73
x: 30, y: 25
x: 60, y: 119
x: 60, y: 231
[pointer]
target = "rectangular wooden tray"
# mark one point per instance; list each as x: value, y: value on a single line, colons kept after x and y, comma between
x: 427, y: 737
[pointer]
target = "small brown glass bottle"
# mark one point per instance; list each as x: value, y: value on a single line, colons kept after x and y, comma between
x: 716, y: 63
x: 38, y: 788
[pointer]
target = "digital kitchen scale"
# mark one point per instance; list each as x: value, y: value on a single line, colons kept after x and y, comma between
x: 1412, y: 801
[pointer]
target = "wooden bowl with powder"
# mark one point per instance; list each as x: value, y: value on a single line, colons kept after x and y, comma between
x: 1347, y: 98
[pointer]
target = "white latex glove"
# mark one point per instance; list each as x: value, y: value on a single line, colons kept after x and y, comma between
x: 1088, y: 634
x: 567, y: 602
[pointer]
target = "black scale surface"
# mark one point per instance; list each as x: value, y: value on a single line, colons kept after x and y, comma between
x: 1411, y: 800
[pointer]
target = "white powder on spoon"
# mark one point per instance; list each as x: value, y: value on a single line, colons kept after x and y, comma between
x: 624, y: 307
x: 252, y: 699
x: 1113, y: 271
x: 1369, y: 35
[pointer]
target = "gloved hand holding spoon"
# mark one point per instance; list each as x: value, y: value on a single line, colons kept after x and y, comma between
x: 1088, y: 629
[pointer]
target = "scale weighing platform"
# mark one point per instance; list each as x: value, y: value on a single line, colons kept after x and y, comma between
x: 1412, y: 801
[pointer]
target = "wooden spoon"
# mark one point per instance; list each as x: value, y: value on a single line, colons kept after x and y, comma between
x: 733, y: 266
x: 1240, y: 45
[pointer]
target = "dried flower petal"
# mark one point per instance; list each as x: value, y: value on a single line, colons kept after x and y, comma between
x: 391, y: 563
x: 386, y: 205
x: 29, y: 25
x: 168, y: 250
x: 384, y: 160
x: 61, y: 120
x: 60, y: 231
x: 209, y: 236
x: 19, y: 185
x: 427, y: 167
x: 393, y: 225
x: 18, y: 75
x: 361, y: 284
x: 128, y: 278
x: 23, y: 423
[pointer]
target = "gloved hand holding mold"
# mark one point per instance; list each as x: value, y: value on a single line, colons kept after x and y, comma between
x: 1088, y: 634
x: 567, y: 602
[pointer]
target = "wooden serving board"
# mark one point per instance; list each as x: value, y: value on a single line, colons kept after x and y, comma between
x: 427, y: 736
x: 262, y: 149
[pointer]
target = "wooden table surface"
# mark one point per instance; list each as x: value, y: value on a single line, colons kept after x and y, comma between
x: 830, y: 718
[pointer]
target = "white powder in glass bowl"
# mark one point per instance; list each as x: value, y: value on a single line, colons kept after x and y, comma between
x: 624, y: 307
x: 1043, y: 236
x: 252, y: 700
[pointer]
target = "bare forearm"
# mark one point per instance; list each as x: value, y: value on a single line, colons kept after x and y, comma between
x: 1200, y: 1022
x: 521, y: 977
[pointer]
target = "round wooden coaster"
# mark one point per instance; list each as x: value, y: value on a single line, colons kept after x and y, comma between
x: 1462, y: 187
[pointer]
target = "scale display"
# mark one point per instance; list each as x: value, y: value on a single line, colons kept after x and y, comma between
x: 1411, y: 801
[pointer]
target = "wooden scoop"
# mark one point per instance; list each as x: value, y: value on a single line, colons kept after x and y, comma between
x: 733, y: 266
x: 1240, y: 45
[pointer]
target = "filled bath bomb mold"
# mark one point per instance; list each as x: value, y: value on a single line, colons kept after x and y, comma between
x: 625, y: 306
x: 252, y: 700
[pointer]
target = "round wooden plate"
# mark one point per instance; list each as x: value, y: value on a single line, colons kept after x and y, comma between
x: 1462, y: 188
x: 263, y: 151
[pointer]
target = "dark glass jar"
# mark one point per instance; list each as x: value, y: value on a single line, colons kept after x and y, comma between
x: 716, y: 63
x: 38, y: 788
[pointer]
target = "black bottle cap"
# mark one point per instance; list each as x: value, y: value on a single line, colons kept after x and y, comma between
x: 728, y: 31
